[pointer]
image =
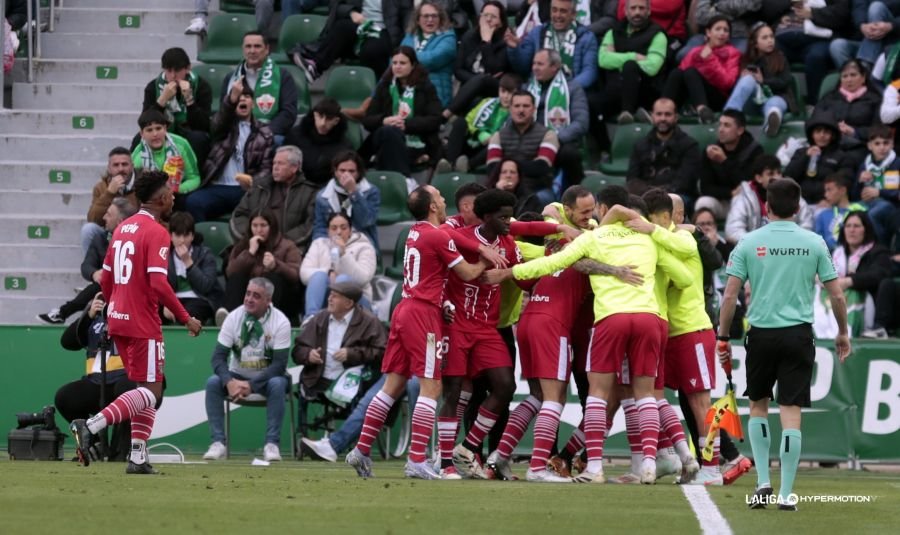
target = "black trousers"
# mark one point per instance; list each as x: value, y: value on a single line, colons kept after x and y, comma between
x: 81, y: 399
x: 80, y: 302
x: 886, y: 302
x: 196, y: 307
x: 392, y: 153
x: 568, y: 160
x: 476, y: 88
x: 693, y: 85
x: 457, y: 145
x: 340, y: 43
x: 628, y: 89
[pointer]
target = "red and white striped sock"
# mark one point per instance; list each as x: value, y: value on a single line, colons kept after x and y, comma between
x: 461, y: 405
x: 448, y: 428
x: 633, y: 433
x: 545, y: 434
x: 712, y: 464
x: 518, y: 422
x: 669, y: 422
x: 376, y: 414
x: 576, y: 441
x: 594, y: 431
x: 125, y: 407
x: 482, y: 426
x: 422, y: 425
x: 648, y: 416
x: 141, y: 428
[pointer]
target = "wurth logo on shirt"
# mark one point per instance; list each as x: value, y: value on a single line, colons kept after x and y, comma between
x: 761, y: 251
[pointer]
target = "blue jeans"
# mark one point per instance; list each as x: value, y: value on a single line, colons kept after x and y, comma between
x: 275, y: 389
x: 812, y: 52
x: 349, y: 432
x: 881, y: 212
x: 88, y: 231
x: 741, y: 99
x: 212, y: 201
x: 317, y: 293
x: 700, y: 39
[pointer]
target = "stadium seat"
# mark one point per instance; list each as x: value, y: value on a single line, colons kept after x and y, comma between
x: 703, y: 134
x: 303, y: 101
x: 301, y: 28
x: 396, y: 271
x: 623, y: 141
x: 259, y: 400
x: 447, y: 184
x: 393, y: 196
x: 350, y: 85
x: 793, y: 129
x: 213, y: 74
x: 354, y: 134
x: 237, y: 6
x: 223, y: 38
x: 830, y: 82
x: 216, y: 236
x: 595, y: 181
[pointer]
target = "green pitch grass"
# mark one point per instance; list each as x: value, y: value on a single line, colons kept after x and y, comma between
x: 312, y: 497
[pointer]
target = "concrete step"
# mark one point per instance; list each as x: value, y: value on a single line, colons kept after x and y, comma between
x: 21, y: 308
x: 27, y: 229
x: 77, y: 97
x: 39, y: 148
x: 61, y: 122
x: 59, y: 176
x: 124, y: 21
x: 116, y: 46
x: 94, y: 71
x: 137, y: 4
x: 45, y: 202
x: 37, y: 257
x: 47, y: 282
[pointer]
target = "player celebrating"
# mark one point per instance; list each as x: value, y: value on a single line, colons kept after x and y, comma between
x: 781, y: 261
x: 415, y: 344
x: 135, y: 279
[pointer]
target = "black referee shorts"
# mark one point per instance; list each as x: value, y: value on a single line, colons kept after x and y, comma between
x: 784, y: 355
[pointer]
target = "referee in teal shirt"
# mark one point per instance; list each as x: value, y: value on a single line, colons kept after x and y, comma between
x: 781, y: 262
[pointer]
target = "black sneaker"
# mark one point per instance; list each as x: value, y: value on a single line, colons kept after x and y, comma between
x: 761, y: 497
x: 143, y: 468
x: 308, y: 66
x: 52, y: 317
x: 84, y: 442
x: 707, y: 116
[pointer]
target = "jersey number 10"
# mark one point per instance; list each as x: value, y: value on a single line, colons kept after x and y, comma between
x: 411, y: 263
x: 122, y: 266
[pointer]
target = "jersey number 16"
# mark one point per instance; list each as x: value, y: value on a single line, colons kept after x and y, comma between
x: 122, y: 266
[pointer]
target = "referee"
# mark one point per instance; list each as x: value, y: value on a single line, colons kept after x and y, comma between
x: 781, y: 262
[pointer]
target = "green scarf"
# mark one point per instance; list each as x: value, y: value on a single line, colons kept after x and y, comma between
x: 147, y: 160
x: 420, y: 41
x: 487, y: 118
x: 583, y: 12
x: 556, y: 105
x: 891, y: 63
x: 176, y: 108
x: 762, y: 94
x: 565, y: 45
x: 267, y: 90
x: 404, y: 106
x: 366, y: 30
x: 252, y: 330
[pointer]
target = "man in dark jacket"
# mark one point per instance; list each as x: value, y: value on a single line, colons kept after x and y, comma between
x: 16, y: 13
x: 192, y: 270
x: 809, y: 166
x: 287, y: 193
x: 727, y: 163
x: 242, y: 153
x: 320, y: 136
x: 667, y: 158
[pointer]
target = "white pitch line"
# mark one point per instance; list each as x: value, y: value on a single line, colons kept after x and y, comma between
x: 711, y: 520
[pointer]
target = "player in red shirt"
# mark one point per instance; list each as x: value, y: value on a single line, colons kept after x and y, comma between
x: 416, y: 342
x: 135, y: 280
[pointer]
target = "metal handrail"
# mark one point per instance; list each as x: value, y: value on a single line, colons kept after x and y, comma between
x: 2, y: 43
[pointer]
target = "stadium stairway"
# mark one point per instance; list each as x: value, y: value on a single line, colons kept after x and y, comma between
x: 85, y: 99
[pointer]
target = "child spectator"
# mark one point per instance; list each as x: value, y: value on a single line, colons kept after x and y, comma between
x: 830, y: 220
x: 161, y: 151
x: 879, y: 181
x: 823, y: 158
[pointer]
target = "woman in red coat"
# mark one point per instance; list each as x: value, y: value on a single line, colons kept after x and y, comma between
x: 708, y: 73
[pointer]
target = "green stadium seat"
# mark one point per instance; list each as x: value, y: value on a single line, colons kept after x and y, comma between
x: 213, y: 74
x: 223, y: 38
x: 354, y: 134
x: 448, y: 183
x: 237, y: 6
x: 396, y: 271
x: 792, y: 129
x: 350, y: 85
x: 393, y: 196
x: 623, y: 141
x: 303, y: 101
x: 595, y: 181
x: 302, y: 28
x: 830, y: 82
x: 703, y: 134
x: 216, y: 236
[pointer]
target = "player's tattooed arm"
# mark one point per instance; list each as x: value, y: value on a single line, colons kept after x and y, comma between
x: 626, y: 274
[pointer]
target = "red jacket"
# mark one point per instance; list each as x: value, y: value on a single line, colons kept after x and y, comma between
x: 720, y: 69
x: 670, y: 14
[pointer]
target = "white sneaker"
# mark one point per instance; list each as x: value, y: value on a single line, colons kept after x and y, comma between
x: 708, y: 477
x: 271, y: 453
x: 878, y: 333
x: 500, y: 466
x: 216, y: 452
x: 221, y: 314
x: 320, y: 448
x: 545, y: 476
x: 648, y: 471
x: 667, y: 465
x: 197, y: 26
x: 689, y: 469
x: 449, y: 474
x: 627, y: 478
x: 590, y: 477
x: 466, y: 463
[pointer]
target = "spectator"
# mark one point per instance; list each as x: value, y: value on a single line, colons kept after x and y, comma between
x: 119, y: 209
x: 562, y: 107
x: 117, y: 181
x: 264, y: 252
x: 861, y: 264
x: 82, y: 398
x: 161, y: 151
x: 192, y: 270
x: 287, y: 193
x: 887, y: 303
x: 481, y: 60
x: 274, y: 92
x: 185, y: 98
x: 890, y: 103
x: 879, y: 182
x: 727, y: 163
x: 823, y: 158
x: 877, y: 25
x: 707, y: 73
x: 320, y: 136
x: 856, y: 105
x: 16, y: 13
x: 242, y: 153
x: 749, y: 208
x: 368, y: 30
x: 345, y: 255
x: 666, y: 158
x: 766, y: 83
x: 811, y: 47
x: 342, y: 336
x: 506, y: 177
x: 829, y: 221
x: 250, y: 358
x: 430, y: 35
x: 741, y: 14
x: 264, y: 10
x: 632, y: 58
x: 705, y: 221
x: 532, y: 145
x: 600, y: 17
x: 405, y: 116
x: 349, y: 193
x: 670, y: 15
x: 469, y: 135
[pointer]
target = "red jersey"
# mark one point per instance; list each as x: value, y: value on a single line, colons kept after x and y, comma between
x: 477, y: 303
x: 138, y: 247
x: 429, y: 255
x: 559, y: 295
x: 454, y: 222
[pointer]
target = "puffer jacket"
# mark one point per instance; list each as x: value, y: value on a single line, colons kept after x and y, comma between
x: 296, y: 216
x: 745, y: 214
x: 318, y: 150
x: 861, y: 114
x: 259, y: 150
x: 438, y: 56
x: 585, y: 69
x: 831, y: 160
x: 358, y: 261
